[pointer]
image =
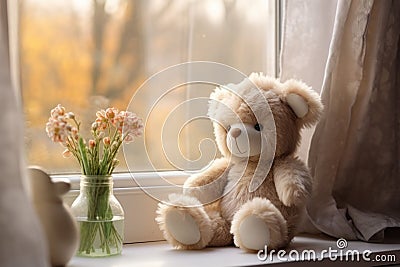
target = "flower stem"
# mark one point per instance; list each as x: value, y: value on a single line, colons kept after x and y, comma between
x: 99, y: 221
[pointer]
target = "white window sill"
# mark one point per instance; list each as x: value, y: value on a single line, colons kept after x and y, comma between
x: 162, y: 254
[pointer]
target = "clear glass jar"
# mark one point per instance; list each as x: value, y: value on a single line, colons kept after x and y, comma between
x: 100, y: 217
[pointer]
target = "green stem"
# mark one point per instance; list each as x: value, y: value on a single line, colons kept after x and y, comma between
x: 82, y: 152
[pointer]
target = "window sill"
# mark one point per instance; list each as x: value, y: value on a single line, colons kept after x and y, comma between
x: 162, y: 254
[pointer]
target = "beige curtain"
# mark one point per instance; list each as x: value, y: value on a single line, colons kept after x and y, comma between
x: 21, y: 239
x: 355, y: 150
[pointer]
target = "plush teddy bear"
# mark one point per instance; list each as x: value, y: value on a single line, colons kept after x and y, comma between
x: 254, y: 195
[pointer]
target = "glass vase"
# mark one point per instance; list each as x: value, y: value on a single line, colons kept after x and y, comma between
x: 100, y: 217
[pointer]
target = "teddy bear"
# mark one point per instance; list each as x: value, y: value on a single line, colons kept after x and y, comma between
x: 255, y: 194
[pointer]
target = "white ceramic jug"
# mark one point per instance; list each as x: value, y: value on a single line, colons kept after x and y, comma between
x: 56, y: 218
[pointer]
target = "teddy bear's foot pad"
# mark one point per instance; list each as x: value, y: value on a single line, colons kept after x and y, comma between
x: 254, y: 233
x: 182, y: 227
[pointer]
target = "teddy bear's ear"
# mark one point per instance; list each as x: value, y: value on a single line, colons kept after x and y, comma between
x: 305, y: 102
x: 216, y: 97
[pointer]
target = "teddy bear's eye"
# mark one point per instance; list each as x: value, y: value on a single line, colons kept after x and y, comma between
x: 258, y: 127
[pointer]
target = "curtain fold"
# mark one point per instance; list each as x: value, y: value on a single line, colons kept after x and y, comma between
x: 354, y: 155
x: 22, y: 242
x: 306, y: 35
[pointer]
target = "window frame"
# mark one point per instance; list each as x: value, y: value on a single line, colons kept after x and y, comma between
x: 139, y: 207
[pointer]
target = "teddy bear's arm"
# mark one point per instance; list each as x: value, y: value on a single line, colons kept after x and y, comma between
x: 208, y: 185
x: 293, y: 181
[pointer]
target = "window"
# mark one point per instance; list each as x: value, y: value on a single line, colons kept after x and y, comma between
x: 91, y: 54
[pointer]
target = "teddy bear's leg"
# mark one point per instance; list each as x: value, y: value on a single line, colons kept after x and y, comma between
x: 221, y: 227
x: 258, y: 223
x: 185, y: 227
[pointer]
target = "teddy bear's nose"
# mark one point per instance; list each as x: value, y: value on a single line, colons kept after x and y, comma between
x: 235, y: 132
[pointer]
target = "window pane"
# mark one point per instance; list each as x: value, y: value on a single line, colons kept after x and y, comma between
x: 91, y: 54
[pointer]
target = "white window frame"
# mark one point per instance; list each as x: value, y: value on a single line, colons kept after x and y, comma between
x: 139, y: 207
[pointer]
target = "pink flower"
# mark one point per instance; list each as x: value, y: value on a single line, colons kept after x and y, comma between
x: 70, y: 115
x: 106, y: 141
x: 92, y: 143
x: 129, y: 125
x: 57, y: 111
x: 101, y: 120
x: 74, y: 133
x: 111, y: 113
x: 123, y: 126
x: 66, y: 153
x: 57, y: 130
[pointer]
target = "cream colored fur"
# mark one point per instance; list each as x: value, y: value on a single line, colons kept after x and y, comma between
x: 208, y: 185
x: 196, y: 211
x: 219, y: 199
x: 265, y: 210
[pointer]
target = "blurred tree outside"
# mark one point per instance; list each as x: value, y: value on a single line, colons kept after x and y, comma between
x: 84, y: 66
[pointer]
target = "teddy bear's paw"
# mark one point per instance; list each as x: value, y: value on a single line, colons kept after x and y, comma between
x: 254, y: 233
x: 292, y: 194
x: 185, y: 227
x: 258, y: 223
x: 182, y: 227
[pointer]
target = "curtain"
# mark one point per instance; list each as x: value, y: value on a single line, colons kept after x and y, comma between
x: 354, y: 155
x: 306, y: 33
x: 22, y: 242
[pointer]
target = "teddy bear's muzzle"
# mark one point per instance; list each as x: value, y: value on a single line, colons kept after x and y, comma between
x: 243, y: 140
